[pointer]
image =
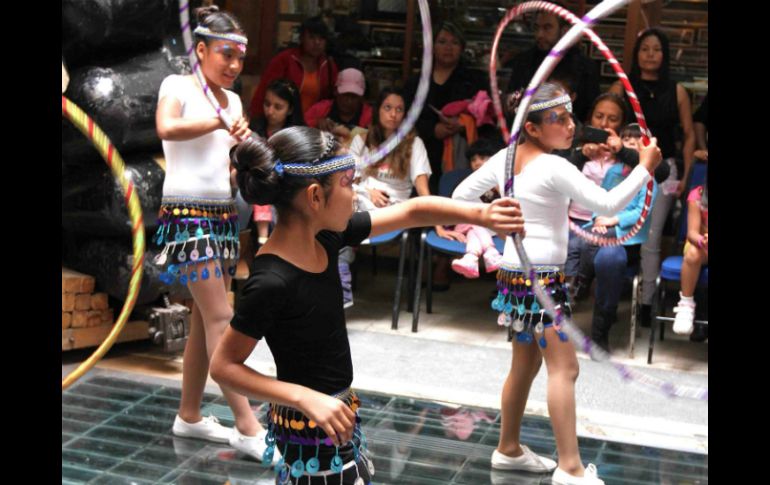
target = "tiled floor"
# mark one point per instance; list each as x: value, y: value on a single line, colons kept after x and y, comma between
x: 116, y: 430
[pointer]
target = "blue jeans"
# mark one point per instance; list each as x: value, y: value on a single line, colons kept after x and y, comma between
x: 575, y: 248
x: 610, y: 267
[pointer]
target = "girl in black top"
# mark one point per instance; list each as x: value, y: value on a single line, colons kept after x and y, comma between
x: 293, y: 298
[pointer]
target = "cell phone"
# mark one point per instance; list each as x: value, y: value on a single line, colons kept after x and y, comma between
x: 594, y: 135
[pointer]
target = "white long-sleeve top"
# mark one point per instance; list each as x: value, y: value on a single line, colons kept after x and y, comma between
x: 544, y: 189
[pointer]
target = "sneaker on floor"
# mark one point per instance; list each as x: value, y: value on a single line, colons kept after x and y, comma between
x: 492, y: 259
x: 467, y: 266
x: 205, y: 429
x: 591, y: 477
x: 528, y: 462
x: 253, y: 446
x: 685, y: 316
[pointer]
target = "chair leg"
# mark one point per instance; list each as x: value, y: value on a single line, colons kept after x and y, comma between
x: 663, y: 307
x: 655, y: 305
x: 634, y: 315
x: 413, y: 242
x: 418, y: 280
x: 399, y: 281
x: 429, y: 285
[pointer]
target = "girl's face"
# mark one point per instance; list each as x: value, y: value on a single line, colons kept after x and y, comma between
x: 276, y: 109
x: 221, y: 61
x: 339, y: 202
x: 447, y: 49
x: 313, y: 45
x: 557, y: 130
x: 607, y: 115
x: 477, y: 161
x: 392, y: 113
x: 632, y: 143
x: 650, y: 54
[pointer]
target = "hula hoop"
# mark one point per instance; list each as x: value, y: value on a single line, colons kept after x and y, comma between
x: 107, y: 150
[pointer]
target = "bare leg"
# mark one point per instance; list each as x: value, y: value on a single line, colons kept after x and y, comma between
x: 561, y: 362
x: 195, y: 369
x: 525, y: 365
x: 693, y: 260
x: 211, y: 298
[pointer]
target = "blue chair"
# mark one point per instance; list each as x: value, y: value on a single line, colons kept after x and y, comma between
x: 671, y: 268
x: 430, y: 239
x: 402, y: 237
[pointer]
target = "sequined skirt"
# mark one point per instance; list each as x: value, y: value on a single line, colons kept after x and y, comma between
x: 192, y: 231
x: 309, y: 454
x: 517, y: 304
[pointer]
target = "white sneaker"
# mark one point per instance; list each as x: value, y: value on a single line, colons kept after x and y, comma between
x: 253, y: 446
x: 205, y: 429
x: 685, y: 316
x: 529, y: 462
x: 591, y: 477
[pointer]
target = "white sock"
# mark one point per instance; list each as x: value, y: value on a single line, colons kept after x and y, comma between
x: 688, y: 299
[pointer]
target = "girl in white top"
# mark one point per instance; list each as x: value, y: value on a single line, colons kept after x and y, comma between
x: 198, y: 220
x: 392, y: 179
x: 544, y: 184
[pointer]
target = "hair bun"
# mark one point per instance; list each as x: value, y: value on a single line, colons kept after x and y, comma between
x: 202, y: 13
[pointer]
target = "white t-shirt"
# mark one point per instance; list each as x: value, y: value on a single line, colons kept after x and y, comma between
x: 199, y: 167
x: 544, y: 189
x: 397, y: 189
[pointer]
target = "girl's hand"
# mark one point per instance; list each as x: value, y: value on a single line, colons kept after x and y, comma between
x: 451, y: 235
x: 503, y: 216
x: 650, y: 157
x: 599, y: 229
x: 240, y: 129
x: 379, y: 198
x: 606, y: 221
x: 330, y: 414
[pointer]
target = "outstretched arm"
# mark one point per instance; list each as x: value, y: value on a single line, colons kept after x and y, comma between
x: 502, y: 215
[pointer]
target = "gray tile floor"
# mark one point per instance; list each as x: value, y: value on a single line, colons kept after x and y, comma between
x: 117, y: 430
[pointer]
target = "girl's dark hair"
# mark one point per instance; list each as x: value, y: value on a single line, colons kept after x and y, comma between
x: 287, y: 91
x: 484, y: 147
x: 632, y: 130
x: 620, y: 102
x: 546, y: 92
x: 400, y: 158
x: 216, y: 21
x: 255, y: 162
x: 664, y: 73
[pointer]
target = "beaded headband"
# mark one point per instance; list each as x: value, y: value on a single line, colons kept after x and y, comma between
x: 563, y: 99
x: 206, y: 32
x: 311, y: 169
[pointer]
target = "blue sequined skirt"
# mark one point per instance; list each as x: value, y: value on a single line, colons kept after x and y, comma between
x: 517, y: 305
x: 196, y: 230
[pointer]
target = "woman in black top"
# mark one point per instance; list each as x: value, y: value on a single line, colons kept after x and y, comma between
x: 666, y: 107
x: 293, y: 298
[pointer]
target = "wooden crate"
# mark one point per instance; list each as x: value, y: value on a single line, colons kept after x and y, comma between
x: 79, y: 338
